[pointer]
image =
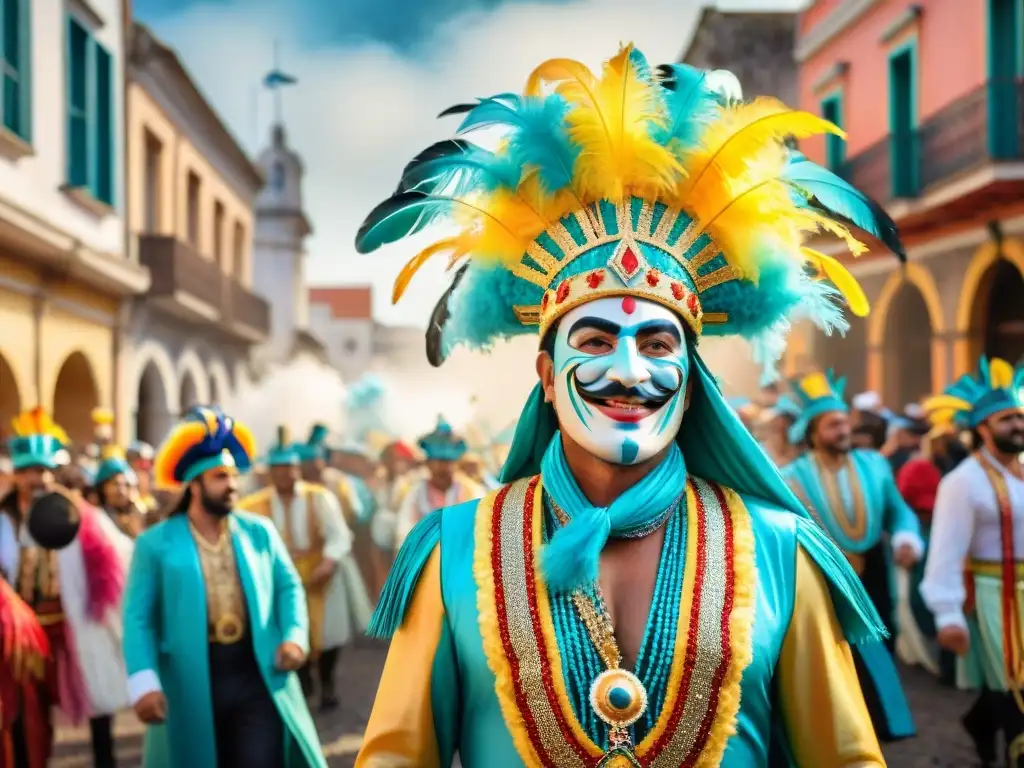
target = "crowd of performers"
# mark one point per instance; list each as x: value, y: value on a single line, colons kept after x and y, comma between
x: 646, y: 582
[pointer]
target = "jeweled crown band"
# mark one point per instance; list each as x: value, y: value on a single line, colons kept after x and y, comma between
x: 629, y: 223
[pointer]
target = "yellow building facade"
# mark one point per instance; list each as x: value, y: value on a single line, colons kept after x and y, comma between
x: 190, y: 194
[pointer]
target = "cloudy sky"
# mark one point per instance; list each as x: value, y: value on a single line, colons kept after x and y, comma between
x: 372, y: 76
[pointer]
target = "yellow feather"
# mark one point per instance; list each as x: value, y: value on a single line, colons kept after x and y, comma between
x: 1000, y: 374
x: 414, y: 264
x: 940, y: 402
x: 815, y: 385
x: 558, y: 70
x: 845, y: 282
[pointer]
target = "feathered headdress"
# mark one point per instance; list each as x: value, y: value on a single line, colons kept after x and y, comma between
x: 636, y: 182
x: 813, y: 395
x: 996, y: 387
x: 38, y: 441
x: 112, y: 463
x: 442, y: 444
x: 205, y: 439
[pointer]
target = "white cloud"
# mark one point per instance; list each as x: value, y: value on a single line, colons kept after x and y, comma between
x: 360, y: 113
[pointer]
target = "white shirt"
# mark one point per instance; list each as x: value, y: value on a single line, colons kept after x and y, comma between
x: 965, y: 524
x: 336, y: 533
x: 10, y: 551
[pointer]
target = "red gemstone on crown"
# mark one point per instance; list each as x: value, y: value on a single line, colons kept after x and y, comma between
x: 630, y: 263
x: 594, y: 279
x: 563, y: 292
x: 691, y: 303
x: 678, y: 291
x: 628, y: 305
x: 544, y: 300
x: 653, y: 278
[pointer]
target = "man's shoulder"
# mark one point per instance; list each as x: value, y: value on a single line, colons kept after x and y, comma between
x: 769, y: 521
x: 252, y: 521
x: 965, y: 473
x: 256, y: 497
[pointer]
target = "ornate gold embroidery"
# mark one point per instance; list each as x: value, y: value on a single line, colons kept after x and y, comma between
x: 225, y: 604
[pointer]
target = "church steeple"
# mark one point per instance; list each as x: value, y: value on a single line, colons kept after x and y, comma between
x: 281, y: 197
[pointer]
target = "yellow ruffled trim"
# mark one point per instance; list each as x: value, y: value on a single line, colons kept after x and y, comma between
x: 741, y: 626
x: 675, y: 677
x: 483, y: 574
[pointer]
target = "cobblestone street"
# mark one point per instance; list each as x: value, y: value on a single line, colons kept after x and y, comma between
x: 941, y: 743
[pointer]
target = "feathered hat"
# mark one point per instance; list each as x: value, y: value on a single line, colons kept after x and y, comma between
x: 284, y: 452
x: 814, y: 395
x: 112, y: 463
x: 205, y: 439
x: 640, y: 182
x: 315, y: 447
x: 442, y: 444
x: 634, y: 183
x: 996, y: 387
x: 38, y: 441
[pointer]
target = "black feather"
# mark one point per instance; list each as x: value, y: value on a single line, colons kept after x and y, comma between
x: 438, y: 318
x: 888, y: 233
x: 456, y: 109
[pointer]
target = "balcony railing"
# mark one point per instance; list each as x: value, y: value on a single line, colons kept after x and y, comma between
x: 175, y: 269
x: 981, y: 127
x: 177, y: 272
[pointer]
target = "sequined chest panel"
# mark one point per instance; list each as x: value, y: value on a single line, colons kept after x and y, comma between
x: 713, y: 639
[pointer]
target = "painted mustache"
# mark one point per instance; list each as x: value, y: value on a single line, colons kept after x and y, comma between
x: 655, y: 392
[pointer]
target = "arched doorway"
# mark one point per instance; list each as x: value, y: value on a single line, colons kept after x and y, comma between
x: 74, y: 398
x: 907, y: 348
x: 846, y: 355
x: 10, y: 398
x: 189, y: 393
x: 1001, y: 301
x: 152, y: 419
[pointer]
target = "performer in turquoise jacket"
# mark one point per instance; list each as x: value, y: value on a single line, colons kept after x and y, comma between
x: 215, y: 617
x: 853, y: 496
x: 644, y: 589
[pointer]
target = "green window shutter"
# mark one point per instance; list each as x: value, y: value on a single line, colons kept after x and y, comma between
x: 835, y: 148
x: 78, y: 105
x: 15, y: 85
x: 103, y: 129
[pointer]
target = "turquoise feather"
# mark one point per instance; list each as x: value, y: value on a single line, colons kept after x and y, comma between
x: 541, y: 142
x: 854, y: 610
x: 458, y: 167
x: 398, y: 590
x: 840, y: 199
x: 691, y: 104
x: 401, y: 215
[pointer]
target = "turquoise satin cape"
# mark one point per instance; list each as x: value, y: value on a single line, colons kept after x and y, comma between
x: 165, y: 630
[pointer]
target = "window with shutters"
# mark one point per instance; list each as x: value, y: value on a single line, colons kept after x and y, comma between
x: 16, y: 104
x: 91, y: 126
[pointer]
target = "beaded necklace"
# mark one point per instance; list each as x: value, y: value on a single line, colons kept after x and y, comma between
x: 614, y: 705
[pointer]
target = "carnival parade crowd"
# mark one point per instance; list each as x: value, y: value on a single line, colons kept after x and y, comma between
x: 647, y: 575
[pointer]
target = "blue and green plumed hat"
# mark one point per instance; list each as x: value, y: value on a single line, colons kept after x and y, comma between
x: 813, y: 395
x: 112, y: 463
x: 315, y: 448
x: 204, y: 439
x: 38, y: 441
x: 996, y: 386
x: 284, y: 452
x: 442, y: 444
x: 660, y: 184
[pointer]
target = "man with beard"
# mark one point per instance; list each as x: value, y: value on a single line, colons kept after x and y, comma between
x: 852, y: 495
x: 976, y: 532
x: 75, y: 589
x: 644, y: 590
x: 215, y: 616
x: 443, y: 486
x: 116, y: 491
x: 320, y: 544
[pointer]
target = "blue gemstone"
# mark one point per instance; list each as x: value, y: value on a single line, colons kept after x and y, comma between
x: 619, y: 697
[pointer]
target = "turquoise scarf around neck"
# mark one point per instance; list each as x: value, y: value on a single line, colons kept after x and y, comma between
x: 570, y: 560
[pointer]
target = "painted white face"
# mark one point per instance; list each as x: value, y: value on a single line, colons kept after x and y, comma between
x: 620, y: 374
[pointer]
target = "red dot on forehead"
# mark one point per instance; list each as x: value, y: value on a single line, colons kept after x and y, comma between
x: 628, y: 305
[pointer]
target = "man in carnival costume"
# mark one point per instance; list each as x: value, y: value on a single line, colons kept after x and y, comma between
x: 215, y: 616
x: 852, y: 495
x: 117, y: 491
x: 352, y: 469
x: 70, y: 570
x: 976, y: 532
x: 443, y: 485
x: 393, y: 481
x: 320, y: 544
x: 646, y: 589
x: 24, y: 650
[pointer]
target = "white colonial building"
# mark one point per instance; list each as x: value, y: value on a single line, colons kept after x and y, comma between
x: 64, y: 274
x: 191, y: 190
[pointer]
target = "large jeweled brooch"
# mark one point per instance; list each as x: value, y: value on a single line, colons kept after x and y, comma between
x: 618, y: 697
